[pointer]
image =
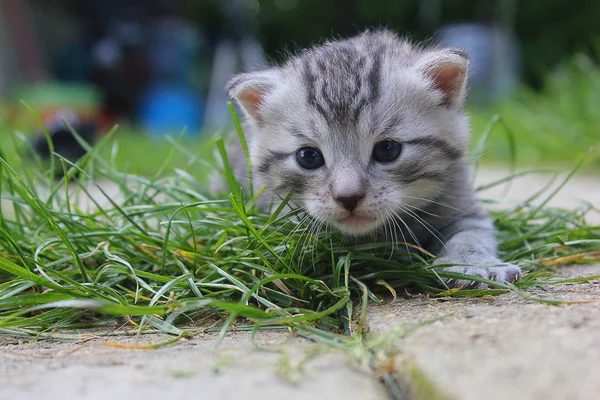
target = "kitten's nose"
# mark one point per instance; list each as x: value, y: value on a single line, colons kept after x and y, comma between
x: 349, y: 202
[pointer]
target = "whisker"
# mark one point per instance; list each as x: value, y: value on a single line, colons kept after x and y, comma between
x: 385, y: 234
x: 394, y: 236
x: 424, y: 224
x: 307, y: 239
x: 286, y: 240
x: 391, y: 214
x: 410, y: 231
x: 422, y: 210
x: 296, y: 228
x: 302, y: 242
x: 315, y: 246
x: 273, y: 232
x: 439, y: 203
x: 314, y: 241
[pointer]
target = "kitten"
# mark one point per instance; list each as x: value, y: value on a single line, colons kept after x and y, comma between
x: 369, y: 134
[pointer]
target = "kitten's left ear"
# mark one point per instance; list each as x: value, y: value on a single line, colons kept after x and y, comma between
x: 447, y: 69
x: 250, y: 90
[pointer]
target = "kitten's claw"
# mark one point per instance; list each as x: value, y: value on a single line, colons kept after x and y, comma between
x: 507, y: 273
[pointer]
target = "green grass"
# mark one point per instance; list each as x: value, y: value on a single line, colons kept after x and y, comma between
x: 162, y: 256
x: 142, y: 155
x: 131, y: 151
x: 557, y: 125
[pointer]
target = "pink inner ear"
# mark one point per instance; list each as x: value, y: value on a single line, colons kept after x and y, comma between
x: 251, y: 100
x: 449, y: 79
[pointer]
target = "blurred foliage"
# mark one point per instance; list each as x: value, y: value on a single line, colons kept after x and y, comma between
x: 558, y: 124
x: 139, y: 154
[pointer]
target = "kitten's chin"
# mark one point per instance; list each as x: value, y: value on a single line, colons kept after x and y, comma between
x: 356, y: 225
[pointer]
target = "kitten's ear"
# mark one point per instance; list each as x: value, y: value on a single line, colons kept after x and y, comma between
x: 447, y: 69
x: 250, y: 90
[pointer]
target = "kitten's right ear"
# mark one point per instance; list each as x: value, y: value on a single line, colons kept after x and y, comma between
x: 250, y: 90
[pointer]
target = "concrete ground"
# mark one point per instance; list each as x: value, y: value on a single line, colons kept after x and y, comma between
x: 577, y: 191
x: 191, y: 369
x: 504, y: 347
x: 500, y: 347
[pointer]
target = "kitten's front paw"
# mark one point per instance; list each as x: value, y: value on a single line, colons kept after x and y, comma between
x: 507, y: 273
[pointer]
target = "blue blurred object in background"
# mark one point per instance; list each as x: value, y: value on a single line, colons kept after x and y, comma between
x: 171, y: 103
x: 493, y: 50
x: 169, y: 107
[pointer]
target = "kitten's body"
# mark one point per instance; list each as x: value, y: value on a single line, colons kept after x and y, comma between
x: 345, y: 106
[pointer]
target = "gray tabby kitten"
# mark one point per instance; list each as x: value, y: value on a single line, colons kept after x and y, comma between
x: 369, y: 135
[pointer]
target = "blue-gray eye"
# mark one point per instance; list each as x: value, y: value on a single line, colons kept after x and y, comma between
x: 310, y: 158
x: 386, y: 151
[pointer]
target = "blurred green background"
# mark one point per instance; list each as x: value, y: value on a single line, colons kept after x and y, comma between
x: 155, y: 66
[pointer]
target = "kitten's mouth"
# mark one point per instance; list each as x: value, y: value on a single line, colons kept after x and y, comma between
x: 357, y: 224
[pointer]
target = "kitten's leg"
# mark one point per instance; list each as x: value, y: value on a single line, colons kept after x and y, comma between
x: 472, y: 241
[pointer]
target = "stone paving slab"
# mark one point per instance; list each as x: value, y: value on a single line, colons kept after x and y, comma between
x: 190, y: 369
x: 504, y: 347
x: 581, y: 188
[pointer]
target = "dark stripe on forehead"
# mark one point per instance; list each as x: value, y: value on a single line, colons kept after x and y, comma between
x: 373, y: 84
x: 310, y: 81
x: 358, y: 108
x: 440, y: 144
x: 374, y: 77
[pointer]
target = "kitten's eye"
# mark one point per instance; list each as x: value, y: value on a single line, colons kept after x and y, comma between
x: 386, y: 151
x: 310, y: 158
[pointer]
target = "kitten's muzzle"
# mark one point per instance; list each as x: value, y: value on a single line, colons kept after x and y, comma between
x: 354, y: 224
x: 350, y: 202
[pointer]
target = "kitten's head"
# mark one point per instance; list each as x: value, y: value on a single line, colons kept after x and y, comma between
x: 358, y: 130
